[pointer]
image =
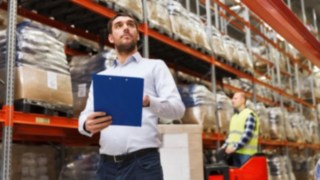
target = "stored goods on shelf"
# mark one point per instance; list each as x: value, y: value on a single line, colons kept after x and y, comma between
x: 224, y: 111
x: 82, y: 68
x: 42, y: 72
x: 200, y: 106
x: 294, y: 128
x: 262, y: 113
x: 181, y: 25
x: 44, y: 87
x: 280, y: 168
x: 244, y: 59
x: 217, y: 43
x: 198, y: 33
x: 158, y: 15
x: 276, y: 122
x: 33, y: 162
x: 132, y: 6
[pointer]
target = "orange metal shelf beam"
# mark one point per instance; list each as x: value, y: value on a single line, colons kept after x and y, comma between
x: 44, y: 120
x: 281, y: 18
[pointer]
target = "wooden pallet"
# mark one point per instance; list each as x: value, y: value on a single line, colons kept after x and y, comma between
x: 32, y: 106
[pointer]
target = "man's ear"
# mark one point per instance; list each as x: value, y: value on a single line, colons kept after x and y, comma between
x: 110, y: 38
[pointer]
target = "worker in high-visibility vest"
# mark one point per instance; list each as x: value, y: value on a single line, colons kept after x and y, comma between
x: 242, y: 141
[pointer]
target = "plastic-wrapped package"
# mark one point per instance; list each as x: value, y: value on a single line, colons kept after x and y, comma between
x: 225, y: 111
x: 283, y: 62
x: 217, y: 43
x: 305, y: 87
x: 262, y: 113
x: 280, y: 168
x: 244, y: 59
x: 179, y: 18
x: 311, y: 132
x: 296, y: 124
x: 158, y: 15
x: 316, y: 84
x: 299, y: 164
x: 33, y: 162
x: 276, y: 121
x: 200, y: 106
x: 316, y: 171
x: 199, y: 36
x: 290, y: 128
x: 230, y: 48
x: 132, y: 6
x: 80, y: 164
x: 82, y: 68
x: 259, y: 65
x: 37, y: 45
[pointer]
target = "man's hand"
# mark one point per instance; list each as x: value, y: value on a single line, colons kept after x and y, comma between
x: 230, y: 150
x: 146, y: 101
x: 97, y: 121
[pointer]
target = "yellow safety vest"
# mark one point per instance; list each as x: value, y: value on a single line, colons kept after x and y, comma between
x: 237, y: 129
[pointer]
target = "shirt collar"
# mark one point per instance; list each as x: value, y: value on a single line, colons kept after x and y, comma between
x: 135, y: 57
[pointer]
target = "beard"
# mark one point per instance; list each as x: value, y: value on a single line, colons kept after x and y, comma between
x: 126, y: 48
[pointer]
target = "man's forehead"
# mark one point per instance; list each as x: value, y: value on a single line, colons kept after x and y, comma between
x: 122, y: 19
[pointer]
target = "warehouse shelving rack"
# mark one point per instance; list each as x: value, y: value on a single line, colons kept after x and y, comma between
x: 63, y: 15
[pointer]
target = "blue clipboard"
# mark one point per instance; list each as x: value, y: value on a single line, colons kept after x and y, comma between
x: 120, y: 97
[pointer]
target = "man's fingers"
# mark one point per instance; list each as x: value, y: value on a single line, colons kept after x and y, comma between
x: 102, y: 119
x: 94, y: 128
x: 96, y: 114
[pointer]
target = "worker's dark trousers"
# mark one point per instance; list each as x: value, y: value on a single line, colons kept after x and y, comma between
x: 146, y: 167
x: 239, y: 159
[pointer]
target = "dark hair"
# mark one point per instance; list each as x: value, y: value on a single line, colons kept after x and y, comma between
x: 109, y: 26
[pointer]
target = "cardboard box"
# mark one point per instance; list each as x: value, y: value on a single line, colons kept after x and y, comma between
x: 181, y: 152
x: 39, y: 85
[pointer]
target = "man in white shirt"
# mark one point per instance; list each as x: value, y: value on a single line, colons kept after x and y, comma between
x: 132, y: 152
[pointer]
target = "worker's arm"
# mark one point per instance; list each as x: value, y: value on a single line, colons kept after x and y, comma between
x: 248, y: 133
x: 167, y: 103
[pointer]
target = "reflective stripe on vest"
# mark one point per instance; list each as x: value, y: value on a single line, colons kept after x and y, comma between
x: 237, y: 129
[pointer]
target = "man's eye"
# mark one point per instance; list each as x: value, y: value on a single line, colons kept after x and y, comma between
x: 131, y: 25
x: 118, y: 25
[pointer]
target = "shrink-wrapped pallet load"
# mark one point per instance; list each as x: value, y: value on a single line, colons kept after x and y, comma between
x: 158, y: 15
x: 200, y: 106
x: 132, y: 6
x: 42, y: 72
x: 181, y: 26
x: 198, y: 34
x: 82, y: 68
x: 217, y: 43
x: 276, y: 121
x: 262, y: 113
x: 244, y: 59
x: 225, y: 112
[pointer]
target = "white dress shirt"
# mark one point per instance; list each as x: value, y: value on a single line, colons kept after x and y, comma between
x: 165, y: 102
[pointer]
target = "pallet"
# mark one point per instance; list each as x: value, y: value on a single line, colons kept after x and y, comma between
x: 32, y: 106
